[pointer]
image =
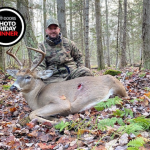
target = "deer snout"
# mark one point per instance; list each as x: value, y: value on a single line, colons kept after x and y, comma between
x: 13, y: 88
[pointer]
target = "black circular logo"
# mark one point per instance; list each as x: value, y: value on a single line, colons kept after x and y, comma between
x: 12, y: 26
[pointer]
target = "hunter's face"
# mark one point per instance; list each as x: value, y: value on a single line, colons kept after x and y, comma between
x: 53, y: 31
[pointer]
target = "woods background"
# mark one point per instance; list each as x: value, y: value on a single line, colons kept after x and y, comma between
x: 108, y: 32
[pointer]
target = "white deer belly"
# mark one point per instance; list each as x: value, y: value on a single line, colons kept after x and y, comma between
x: 97, y: 100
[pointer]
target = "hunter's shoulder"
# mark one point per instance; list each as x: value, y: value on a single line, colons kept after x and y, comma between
x: 68, y: 41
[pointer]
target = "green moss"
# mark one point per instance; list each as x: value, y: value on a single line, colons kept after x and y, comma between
x: 10, y: 77
x: 24, y: 121
x: 142, y: 75
x: 129, y: 74
x: 6, y: 87
x: 112, y: 72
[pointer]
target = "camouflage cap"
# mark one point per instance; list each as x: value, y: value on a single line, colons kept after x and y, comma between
x: 51, y: 21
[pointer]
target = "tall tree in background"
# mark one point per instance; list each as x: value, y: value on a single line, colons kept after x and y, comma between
x: 2, y: 51
x: 146, y: 33
x: 123, y: 49
x: 81, y: 27
x: 107, y: 32
x: 86, y: 24
x: 29, y: 37
x: 131, y: 55
x: 54, y: 12
x: 100, y: 57
x: 44, y: 16
x: 118, y: 33
x: 61, y: 16
x: 31, y: 5
x: 70, y: 7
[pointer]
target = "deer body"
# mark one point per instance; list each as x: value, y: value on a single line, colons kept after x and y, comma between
x: 70, y: 96
x: 65, y: 97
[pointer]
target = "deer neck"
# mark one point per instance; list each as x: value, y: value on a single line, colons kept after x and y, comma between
x: 32, y: 96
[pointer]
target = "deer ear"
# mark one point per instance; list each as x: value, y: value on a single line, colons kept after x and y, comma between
x: 12, y: 72
x: 44, y: 74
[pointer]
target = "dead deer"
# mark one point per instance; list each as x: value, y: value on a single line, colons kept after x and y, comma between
x: 64, y: 97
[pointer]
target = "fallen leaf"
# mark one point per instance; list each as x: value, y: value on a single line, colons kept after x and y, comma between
x: 73, y: 142
x: 44, y: 146
x: 33, y: 134
x: 26, y: 108
x: 82, y: 131
x: 13, y: 109
x: 123, y: 139
x: 30, y: 125
x: 147, y: 94
x: 63, y: 97
x: 46, y: 123
x: 44, y: 138
x: 111, y: 144
x: 100, y: 147
x: 29, y: 144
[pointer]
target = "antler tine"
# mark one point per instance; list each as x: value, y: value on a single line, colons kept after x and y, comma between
x: 43, y: 56
x: 9, y: 52
x: 17, y: 50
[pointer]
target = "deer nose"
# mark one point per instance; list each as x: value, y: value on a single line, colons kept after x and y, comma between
x: 13, y: 88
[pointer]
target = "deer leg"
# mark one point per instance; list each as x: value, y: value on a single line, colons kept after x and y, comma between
x: 49, y: 110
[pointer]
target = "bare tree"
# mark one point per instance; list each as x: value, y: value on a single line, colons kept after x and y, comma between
x: 44, y: 16
x: 81, y: 27
x: 146, y: 33
x: 100, y: 57
x: 2, y: 51
x: 61, y: 16
x: 107, y: 32
x: 118, y: 33
x: 70, y: 6
x: 123, y: 49
x: 29, y: 37
x: 86, y: 24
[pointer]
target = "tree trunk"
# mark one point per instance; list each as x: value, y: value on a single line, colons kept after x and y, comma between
x: 61, y: 16
x: 104, y: 49
x: 123, y: 49
x: 2, y: 58
x: 100, y: 57
x: 55, y: 12
x: 44, y: 16
x: 2, y: 51
x: 82, y: 29
x: 118, y: 34
x: 132, y: 35
x: 146, y: 33
x: 133, y: 47
x: 29, y: 37
x: 107, y: 32
x: 87, y: 55
x: 31, y: 5
x: 129, y: 51
x: 71, y: 34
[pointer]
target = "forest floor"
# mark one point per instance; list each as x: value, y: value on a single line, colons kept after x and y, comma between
x: 117, y: 124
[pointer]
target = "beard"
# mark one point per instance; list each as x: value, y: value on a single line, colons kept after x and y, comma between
x: 56, y: 39
x: 56, y: 36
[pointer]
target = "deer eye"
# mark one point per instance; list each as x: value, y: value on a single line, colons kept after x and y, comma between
x: 28, y: 77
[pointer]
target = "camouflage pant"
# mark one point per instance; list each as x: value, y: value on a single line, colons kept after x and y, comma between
x: 64, y: 75
x: 80, y: 72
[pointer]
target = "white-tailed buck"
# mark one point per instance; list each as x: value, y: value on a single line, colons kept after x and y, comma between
x: 64, y: 97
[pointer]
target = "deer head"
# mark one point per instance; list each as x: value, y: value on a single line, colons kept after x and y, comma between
x: 26, y: 77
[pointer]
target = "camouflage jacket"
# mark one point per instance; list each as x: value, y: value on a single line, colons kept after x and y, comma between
x: 62, y: 58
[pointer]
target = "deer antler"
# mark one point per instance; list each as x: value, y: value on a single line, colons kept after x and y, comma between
x: 43, y: 56
x: 9, y: 52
